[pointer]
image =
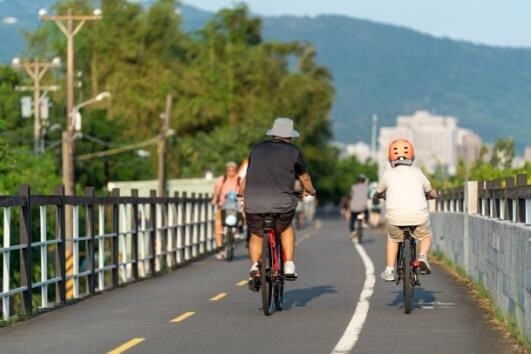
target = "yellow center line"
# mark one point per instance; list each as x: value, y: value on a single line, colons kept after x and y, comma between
x: 242, y: 283
x: 183, y: 317
x: 303, y: 238
x: 122, y: 348
x: 218, y: 297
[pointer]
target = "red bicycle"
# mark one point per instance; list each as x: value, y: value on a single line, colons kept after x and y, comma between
x: 272, y: 267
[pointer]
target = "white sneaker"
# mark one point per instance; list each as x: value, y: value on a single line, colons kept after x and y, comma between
x: 289, y: 271
x: 388, y: 274
x: 254, y: 277
x: 220, y: 255
x: 424, y: 265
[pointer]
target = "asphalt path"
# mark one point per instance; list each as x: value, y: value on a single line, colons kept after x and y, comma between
x: 206, y: 307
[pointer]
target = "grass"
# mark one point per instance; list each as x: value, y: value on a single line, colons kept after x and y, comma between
x: 502, y: 321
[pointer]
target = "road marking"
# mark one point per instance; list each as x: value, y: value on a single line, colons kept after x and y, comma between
x: 318, y: 224
x: 128, y: 345
x: 353, y: 330
x: 242, y: 283
x: 183, y: 317
x: 303, y: 238
x: 218, y: 297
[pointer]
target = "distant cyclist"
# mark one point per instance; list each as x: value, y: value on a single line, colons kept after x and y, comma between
x: 406, y: 188
x: 229, y: 182
x: 269, y: 188
x: 359, y: 194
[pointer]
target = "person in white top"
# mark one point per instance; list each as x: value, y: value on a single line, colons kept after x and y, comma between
x: 406, y: 189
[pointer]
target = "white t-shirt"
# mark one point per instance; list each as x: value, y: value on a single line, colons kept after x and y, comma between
x: 404, y: 188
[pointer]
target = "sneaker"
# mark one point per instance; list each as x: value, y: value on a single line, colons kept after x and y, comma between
x: 289, y: 271
x: 254, y: 278
x: 424, y: 265
x: 353, y: 235
x: 388, y: 274
x: 220, y: 256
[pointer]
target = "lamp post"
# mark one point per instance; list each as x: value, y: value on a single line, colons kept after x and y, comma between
x: 36, y: 71
x: 77, y: 116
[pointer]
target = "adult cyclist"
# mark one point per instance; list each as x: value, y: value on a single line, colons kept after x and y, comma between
x: 274, y: 165
x: 406, y: 188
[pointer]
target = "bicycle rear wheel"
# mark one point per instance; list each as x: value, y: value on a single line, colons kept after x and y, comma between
x: 265, y: 275
x: 359, y: 230
x: 279, y: 286
x: 408, y: 276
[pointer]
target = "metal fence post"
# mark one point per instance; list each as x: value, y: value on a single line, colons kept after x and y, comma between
x: 185, y: 227
x: 521, y: 182
x: 60, y: 249
x: 509, y: 185
x: 134, y: 220
x: 115, y: 231
x: 179, y: 254
x: 89, y: 192
x: 152, y: 239
x: 193, y: 218
x: 25, y: 253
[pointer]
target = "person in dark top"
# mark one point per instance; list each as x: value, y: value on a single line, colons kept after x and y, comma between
x: 274, y: 165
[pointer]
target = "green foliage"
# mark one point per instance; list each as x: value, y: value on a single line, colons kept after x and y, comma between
x: 498, y: 166
x: 228, y: 85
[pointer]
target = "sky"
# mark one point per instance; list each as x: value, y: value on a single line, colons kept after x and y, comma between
x: 493, y: 22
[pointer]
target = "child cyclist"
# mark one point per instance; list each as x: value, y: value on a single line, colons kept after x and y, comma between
x: 405, y: 188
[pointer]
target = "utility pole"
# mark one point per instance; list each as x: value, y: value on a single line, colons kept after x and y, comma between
x: 373, y: 136
x: 70, y: 25
x: 36, y: 71
x: 162, y: 147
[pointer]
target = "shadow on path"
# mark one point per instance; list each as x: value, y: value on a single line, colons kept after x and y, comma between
x: 420, y: 296
x: 301, y: 297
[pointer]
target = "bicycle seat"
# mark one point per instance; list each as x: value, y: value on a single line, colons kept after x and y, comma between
x: 269, y: 220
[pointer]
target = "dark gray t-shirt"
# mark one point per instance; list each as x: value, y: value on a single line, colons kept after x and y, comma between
x: 273, y: 167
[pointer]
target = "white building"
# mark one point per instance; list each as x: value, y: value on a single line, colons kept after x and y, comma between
x: 436, y: 139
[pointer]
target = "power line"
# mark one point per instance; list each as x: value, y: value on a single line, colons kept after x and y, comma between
x: 118, y: 150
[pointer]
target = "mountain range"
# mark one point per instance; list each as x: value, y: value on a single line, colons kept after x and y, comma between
x: 377, y: 69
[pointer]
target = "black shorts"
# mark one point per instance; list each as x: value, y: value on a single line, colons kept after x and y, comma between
x: 255, y: 222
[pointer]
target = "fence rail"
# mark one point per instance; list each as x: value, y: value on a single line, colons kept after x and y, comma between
x: 114, y: 240
x: 507, y: 199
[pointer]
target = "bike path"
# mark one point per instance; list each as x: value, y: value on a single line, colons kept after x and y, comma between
x: 318, y: 307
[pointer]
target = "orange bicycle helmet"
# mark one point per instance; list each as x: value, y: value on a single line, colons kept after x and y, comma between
x: 401, y: 152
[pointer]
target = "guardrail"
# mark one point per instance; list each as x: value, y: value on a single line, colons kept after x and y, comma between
x: 485, y: 228
x: 507, y: 199
x: 114, y: 240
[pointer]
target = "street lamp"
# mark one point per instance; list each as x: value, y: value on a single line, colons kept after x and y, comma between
x: 77, y: 115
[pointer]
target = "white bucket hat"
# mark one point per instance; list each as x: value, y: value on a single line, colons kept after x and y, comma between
x: 283, y: 128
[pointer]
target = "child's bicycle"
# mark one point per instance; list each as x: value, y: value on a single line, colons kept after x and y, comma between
x: 407, y: 268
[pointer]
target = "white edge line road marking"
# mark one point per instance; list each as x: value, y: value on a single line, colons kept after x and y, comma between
x: 127, y: 345
x: 353, y: 330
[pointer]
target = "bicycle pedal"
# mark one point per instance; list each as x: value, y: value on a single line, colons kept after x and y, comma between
x: 290, y: 277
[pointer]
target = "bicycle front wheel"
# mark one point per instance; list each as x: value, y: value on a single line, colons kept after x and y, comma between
x: 229, y: 245
x: 265, y: 275
x: 408, y: 276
